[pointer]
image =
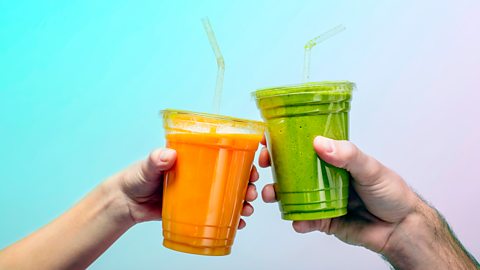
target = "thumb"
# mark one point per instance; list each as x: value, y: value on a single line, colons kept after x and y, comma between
x: 344, y: 154
x: 384, y: 193
x: 157, y: 162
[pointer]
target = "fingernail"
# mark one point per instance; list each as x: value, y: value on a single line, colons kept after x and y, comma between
x: 326, y: 144
x: 164, y: 155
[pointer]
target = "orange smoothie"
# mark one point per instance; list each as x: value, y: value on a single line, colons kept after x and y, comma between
x: 205, y: 190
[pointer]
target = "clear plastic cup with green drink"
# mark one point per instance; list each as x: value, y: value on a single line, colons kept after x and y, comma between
x: 307, y: 187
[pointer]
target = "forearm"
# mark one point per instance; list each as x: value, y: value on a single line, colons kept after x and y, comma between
x: 423, y: 240
x: 75, y: 239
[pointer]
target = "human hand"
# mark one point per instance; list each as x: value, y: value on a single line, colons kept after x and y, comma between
x: 379, y: 198
x: 384, y: 214
x: 141, y: 187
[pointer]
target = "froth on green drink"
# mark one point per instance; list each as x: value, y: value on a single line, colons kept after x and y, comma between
x: 307, y: 187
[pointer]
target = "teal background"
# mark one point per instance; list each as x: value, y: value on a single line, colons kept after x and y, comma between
x: 81, y: 84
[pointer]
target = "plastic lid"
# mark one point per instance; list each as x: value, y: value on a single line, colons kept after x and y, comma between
x: 330, y: 86
x: 207, y: 123
x: 199, y: 115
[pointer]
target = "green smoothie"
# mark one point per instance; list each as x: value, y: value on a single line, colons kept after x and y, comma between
x: 307, y: 187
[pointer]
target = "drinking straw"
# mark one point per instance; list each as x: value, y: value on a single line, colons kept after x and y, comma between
x: 311, y: 43
x: 220, y: 63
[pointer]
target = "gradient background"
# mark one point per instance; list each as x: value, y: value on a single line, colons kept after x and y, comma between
x: 81, y: 84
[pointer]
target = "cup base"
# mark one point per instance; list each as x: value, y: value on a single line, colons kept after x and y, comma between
x: 323, y: 214
x: 206, y: 251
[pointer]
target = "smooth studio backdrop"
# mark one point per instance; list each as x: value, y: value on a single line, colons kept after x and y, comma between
x: 81, y: 84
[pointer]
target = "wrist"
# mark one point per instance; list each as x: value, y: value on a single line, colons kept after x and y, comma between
x: 423, y: 240
x: 116, y: 203
x: 411, y: 244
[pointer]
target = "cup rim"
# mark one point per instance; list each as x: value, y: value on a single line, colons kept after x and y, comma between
x: 309, y: 87
x: 212, y: 116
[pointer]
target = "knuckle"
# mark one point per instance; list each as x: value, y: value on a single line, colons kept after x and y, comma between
x: 153, y: 156
x: 348, y: 152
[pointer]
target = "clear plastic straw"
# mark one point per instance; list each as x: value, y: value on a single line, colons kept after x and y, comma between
x: 220, y: 63
x: 311, y: 43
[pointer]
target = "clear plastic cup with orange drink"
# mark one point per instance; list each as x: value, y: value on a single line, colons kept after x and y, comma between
x: 204, y: 192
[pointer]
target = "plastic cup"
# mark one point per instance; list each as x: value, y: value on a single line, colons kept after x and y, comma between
x: 307, y: 187
x: 204, y: 193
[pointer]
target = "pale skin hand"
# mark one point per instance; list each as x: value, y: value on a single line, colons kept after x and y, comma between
x: 384, y: 214
x: 83, y: 233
